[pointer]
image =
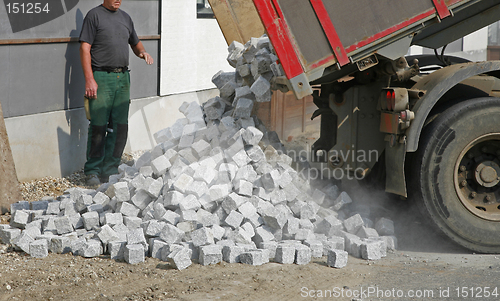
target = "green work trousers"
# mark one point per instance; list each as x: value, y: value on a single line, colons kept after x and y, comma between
x: 108, y: 127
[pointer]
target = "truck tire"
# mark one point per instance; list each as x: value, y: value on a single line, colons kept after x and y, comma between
x: 455, y: 174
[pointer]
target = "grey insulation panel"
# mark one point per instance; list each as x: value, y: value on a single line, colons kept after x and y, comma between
x: 144, y: 13
x: 39, y: 78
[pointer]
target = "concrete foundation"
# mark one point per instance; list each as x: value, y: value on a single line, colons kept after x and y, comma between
x: 54, y: 144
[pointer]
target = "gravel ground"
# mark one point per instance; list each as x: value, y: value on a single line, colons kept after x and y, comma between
x: 49, y: 186
x: 54, y: 187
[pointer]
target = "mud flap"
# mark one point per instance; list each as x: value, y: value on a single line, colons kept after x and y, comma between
x: 121, y: 139
x: 395, y: 181
x: 328, y: 130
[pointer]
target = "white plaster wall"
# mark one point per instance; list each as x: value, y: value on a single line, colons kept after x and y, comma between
x: 48, y: 144
x: 472, y: 55
x: 149, y: 115
x: 192, y: 50
x: 415, y: 50
x: 475, y: 45
x: 477, y: 40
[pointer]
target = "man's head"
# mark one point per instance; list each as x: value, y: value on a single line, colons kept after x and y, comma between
x: 112, y: 4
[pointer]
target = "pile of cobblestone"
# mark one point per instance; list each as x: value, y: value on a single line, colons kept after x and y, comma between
x: 217, y: 186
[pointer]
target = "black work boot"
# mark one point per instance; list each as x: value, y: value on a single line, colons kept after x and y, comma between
x: 92, y: 180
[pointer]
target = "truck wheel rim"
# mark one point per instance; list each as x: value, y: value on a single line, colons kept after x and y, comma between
x: 477, y: 177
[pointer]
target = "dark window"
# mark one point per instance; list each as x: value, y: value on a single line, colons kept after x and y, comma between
x: 203, y: 10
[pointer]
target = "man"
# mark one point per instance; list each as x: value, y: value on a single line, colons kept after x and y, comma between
x: 106, y: 33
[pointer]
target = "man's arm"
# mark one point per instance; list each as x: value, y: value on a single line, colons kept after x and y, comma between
x: 140, y: 51
x: 90, y: 84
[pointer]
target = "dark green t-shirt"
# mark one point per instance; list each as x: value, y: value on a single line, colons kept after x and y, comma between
x: 109, y: 33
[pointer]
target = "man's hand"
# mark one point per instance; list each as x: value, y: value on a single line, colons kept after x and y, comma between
x: 90, y: 84
x: 140, y: 51
x: 145, y: 56
x: 91, y: 88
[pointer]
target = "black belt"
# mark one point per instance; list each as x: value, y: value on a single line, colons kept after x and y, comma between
x: 111, y: 69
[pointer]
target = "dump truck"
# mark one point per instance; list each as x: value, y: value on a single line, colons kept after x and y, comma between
x: 433, y: 120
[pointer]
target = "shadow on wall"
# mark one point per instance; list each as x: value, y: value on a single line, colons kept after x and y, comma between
x: 72, y: 145
x: 74, y: 82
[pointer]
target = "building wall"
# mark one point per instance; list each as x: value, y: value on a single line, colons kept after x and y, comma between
x: 43, y: 84
x: 45, y: 77
x: 54, y: 143
x: 473, y: 46
x: 48, y: 144
x: 192, y: 50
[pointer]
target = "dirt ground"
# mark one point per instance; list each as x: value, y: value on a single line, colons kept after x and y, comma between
x: 65, y: 277
x: 426, y: 266
x: 406, y: 272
